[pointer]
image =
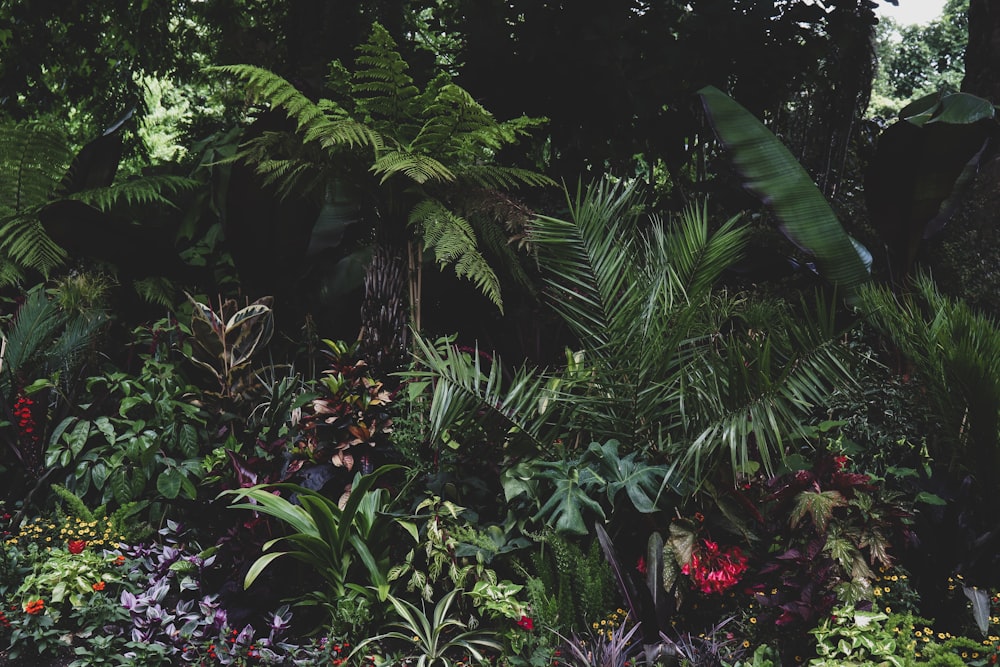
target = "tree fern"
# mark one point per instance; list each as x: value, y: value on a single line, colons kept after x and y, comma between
x: 424, y: 148
x: 454, y: 243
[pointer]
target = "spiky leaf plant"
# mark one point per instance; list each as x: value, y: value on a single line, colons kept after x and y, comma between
x: 955, y: 352
x: 669, y: 365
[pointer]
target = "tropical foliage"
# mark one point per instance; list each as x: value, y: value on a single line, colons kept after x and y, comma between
x: 241, y: 425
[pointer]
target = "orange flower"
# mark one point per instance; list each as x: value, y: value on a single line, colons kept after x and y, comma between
x: 120, y: 560
x: 99, y: 586
x: 35, y: 607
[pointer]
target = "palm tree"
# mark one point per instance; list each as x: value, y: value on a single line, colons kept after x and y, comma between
x: 670, y: 365
x: 422, y: 160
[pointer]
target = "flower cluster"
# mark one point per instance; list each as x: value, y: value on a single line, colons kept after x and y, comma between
x: 716, y: 570
x: 4, y: 621
x: 25, y: 420
x: 76, y: 546
x: 34, y: 607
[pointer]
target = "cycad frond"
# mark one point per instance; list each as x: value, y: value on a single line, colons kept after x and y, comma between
x: 36, y: 321
x: 43, y: 339
x: 454, y: 242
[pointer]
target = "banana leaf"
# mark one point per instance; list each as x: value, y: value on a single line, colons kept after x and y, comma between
x: 776, y: 177
x: 919, y: 170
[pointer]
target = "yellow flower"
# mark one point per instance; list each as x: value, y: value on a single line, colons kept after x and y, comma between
x: 753, y: 619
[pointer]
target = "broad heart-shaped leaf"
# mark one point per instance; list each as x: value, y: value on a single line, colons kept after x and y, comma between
x: 774, y: 175
x: 642, y: 483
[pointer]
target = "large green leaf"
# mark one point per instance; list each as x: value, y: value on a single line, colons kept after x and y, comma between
x: 774, y: 175
x: 916, y: 176
x: 641, y: 482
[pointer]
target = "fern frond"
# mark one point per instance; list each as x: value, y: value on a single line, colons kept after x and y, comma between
x: 155, y: 189
x: 156, y: 290
x: 418, y: 168
x: 505, y: 178
x: 454, y: 242
x: 325, y: 123
x: 33, y: 158
x: 380, y: 85
x: 74, y: 504
x: 24, y: 244
x: 10, y: 274
x: 498, y: 244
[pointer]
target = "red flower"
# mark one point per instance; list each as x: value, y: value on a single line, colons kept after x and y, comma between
x: 35, y: 607
x: 715, y: 570
x: 640, y: 565
x: 77, y: 546
x: 99, y: 586
x: 526, y: 623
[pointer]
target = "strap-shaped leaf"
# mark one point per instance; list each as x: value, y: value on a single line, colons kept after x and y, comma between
x: 773, y: 174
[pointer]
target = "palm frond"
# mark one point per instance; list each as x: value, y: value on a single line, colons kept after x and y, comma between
x: 748, y: 392
x: 454, y: 242
x: 465, y: 393
x: 956, y: 353
x: 590, y: 260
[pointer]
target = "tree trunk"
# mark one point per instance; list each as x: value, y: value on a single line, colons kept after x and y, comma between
x: 982, y: 56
